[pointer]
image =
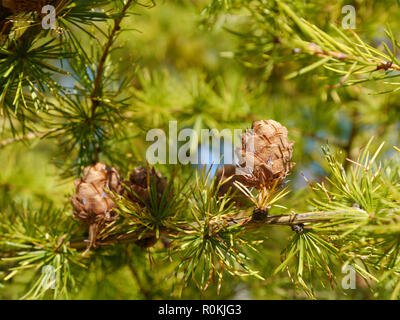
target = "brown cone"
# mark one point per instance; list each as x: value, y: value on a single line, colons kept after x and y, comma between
x: 265, y: 154
x: 139, y: 193
x: 223, y: 174
x: 91, y: 202
x: 25, y: 6
x: 138, y: 184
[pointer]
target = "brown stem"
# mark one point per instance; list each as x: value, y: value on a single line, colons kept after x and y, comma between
x: 317, y: 50
x: 97, y: 88
x: 247, y: 222
x: 100, y: 70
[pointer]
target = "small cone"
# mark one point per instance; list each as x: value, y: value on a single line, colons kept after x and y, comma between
x: 138, y: 184
x: 226, y: 172
x: 265, y: 154
x: 91, y: 202
x: 139, y: 181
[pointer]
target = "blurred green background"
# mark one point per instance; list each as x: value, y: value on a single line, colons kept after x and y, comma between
x: 192, y: 68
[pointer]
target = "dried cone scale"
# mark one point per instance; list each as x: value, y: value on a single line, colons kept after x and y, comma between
x: 91, y: 202
x: 265, y: 155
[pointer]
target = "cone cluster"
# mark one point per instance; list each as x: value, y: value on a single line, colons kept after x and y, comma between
x: 265, y: 161
x: 93, y: 199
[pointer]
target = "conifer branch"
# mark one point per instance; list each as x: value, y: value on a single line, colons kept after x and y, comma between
x: 298, y: 68
x: 96, y: 93
x: 243, y: 222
